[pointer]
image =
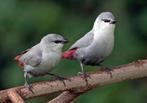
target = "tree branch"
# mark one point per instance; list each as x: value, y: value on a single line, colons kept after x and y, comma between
x: 125, y: 72
x: 70, y: 95
x: 14, y: 96
x: 65, y: 97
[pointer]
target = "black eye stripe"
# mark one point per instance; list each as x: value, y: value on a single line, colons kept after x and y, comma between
x: 57, y: 41
x: 106, y: 20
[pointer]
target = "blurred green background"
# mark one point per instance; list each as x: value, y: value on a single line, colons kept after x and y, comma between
x: 24, y: 22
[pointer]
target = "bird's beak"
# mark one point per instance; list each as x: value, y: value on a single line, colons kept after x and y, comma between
x: 113, y: 22
x: 65, y: 41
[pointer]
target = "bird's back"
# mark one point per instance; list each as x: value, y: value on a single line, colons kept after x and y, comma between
x: 84, y: 41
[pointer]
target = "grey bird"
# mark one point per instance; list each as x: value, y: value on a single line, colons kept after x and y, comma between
x: 96, y: 45
x: 43, y: 57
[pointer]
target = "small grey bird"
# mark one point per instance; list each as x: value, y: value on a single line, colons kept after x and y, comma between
x: 41, y: 58
x: 97, y: 44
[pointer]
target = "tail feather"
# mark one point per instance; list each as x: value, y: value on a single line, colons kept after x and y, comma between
x: 69, y: 54
x: 20, y: 64
x: 17, y: 58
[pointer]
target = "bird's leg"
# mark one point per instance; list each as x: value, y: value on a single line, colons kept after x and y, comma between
x: 106, y: 69
x: 82, y: 69
x: 58, y: 77
x: 84, y: 75
x: 26, y: 81
x: 26, y: 78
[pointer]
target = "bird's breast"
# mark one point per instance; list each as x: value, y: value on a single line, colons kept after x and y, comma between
x: 103, y: 41
x: 100, y: 48
x: 49, y: 60
x: 103, y: 46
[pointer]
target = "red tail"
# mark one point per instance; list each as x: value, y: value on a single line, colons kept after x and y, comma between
x: 17, y: 58
x: 69, y: 54
x: 20, y: 64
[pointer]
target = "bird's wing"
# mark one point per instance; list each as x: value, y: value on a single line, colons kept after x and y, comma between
x: 84, y: 41
x: 31, y: 57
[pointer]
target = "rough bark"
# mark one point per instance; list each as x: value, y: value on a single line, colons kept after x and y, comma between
x: 14, y: 96
x: 125, y: 72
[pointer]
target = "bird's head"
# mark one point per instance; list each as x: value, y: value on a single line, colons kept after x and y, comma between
x: 53, y: 42
x: 105, y: 20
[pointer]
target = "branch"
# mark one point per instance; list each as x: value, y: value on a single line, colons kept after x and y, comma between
x: 14, y: 96
x: 125, y: 72
x: 70, y: 95
x: 65, y: 97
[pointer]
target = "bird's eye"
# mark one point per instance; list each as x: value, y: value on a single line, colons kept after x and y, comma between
x: 57, y: 41
x: 106, y: 20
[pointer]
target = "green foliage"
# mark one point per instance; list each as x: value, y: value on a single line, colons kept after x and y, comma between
x: 24, y: 22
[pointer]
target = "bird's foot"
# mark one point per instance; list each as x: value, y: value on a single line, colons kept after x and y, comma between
x: 29, y: 87
x: 84, y: 75
x: 62, y: 79
x: 59, y: 78
x: 107, y: 70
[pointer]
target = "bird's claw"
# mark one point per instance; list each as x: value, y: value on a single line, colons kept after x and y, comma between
x: 108, y: 71
x: 84, y: 76
x: 59, y: 78
x: 29, y: 87
x: 62, y: 79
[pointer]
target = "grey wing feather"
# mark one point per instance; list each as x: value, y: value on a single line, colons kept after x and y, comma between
x: 84, y: 41
x: 32, y: 57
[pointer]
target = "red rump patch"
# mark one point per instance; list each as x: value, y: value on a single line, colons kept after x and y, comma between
x: 17, y: 58
x: 69, y: 54
x: 21, y: 64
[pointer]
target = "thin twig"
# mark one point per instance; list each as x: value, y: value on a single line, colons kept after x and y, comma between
x: 125, y: 72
